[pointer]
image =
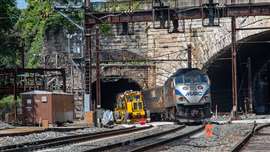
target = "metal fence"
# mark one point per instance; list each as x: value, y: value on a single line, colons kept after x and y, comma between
x: 132, y: 5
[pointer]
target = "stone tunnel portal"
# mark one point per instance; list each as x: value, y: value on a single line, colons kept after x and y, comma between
x: 110, y: 87
x: 257, y: 48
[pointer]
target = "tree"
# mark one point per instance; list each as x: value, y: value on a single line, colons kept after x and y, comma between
x: 34, y: 21
x: 8, y: 35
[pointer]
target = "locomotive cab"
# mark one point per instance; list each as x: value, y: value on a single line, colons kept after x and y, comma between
x: 189, y: 91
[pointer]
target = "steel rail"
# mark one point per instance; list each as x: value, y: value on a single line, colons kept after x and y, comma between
x: 164, y: 141
x: 27, y: 132
x: 119, y: 144
x: 23, y: 133
x: 245, y: 140
x: 48, y: 143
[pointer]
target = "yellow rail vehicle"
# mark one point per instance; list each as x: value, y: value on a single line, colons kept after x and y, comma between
x: 129, y: 107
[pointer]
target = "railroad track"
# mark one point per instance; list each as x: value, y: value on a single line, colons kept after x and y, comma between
x: 60, y: 141
x: 147, y: 142
x: 256, y: 140
x: 27, y: 131
x: 20, y: 131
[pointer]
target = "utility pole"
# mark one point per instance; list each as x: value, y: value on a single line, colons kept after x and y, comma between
x: 98, y: 94
x: 15, y: 92
x: 234, y: 67
x: 250, y: 86
x: 98, y: 97
x: 89, y: 105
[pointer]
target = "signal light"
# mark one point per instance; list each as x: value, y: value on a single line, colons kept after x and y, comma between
x: 181, y: 98
x: 185, y: 88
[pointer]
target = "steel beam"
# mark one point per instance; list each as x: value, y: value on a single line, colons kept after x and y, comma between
x: 15, y: 88
x: 142, y: 60
x: 28, y: 70
x: 236, y: 10
x: 253, y: 28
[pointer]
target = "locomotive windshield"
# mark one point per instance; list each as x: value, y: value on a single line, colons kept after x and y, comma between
x: 191, y: 77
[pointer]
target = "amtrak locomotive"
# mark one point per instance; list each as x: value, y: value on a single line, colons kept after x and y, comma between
x: 185, y: 97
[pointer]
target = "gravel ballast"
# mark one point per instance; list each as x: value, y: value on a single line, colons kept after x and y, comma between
x: 5, y: 125
x: 223, y: 139
x: 107, y: 141
x: 48, y: 135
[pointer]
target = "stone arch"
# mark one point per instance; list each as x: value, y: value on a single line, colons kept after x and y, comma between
x: 111, y: 86
x: 213, y: 40
x: 218, y: 67
x: 143, y: 75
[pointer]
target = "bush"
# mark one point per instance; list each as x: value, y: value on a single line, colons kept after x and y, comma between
x: 6, y: 104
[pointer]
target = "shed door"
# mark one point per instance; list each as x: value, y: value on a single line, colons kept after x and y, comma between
x: 29, y: 110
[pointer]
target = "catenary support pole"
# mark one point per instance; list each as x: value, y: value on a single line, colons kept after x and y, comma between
x: 250, y: 93
x: 234, y: 67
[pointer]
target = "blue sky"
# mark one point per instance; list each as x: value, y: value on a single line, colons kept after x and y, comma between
x: 21, y: 4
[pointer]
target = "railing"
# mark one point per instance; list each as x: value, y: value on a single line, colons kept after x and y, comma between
x: 140, y: 5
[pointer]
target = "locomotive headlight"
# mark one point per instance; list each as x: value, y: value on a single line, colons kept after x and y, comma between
x: 185, y: 88
x: 181, y: 99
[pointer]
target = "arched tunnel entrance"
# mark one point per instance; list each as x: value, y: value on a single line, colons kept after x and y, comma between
x: 257, y: 49
x: 110, y: 87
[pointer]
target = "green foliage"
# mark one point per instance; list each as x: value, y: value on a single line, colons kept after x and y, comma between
x: 32, y: 26
x: 126, y: 6
x: 34, y: 21
x: 9, y: 13
x: 105, y: 29
x: 8, y: 101
x: 8, y: 36
x: 117, y: 6
x: 6, y: 105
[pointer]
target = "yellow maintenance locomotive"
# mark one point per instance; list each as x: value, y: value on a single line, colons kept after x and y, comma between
x: 129, y: 107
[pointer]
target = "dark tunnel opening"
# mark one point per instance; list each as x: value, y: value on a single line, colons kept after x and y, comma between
x: 256, y: 48
x: 110, y: 87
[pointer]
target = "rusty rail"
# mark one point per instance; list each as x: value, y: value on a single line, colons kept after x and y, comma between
x: 164, y: 141
x: 245, y: 140
x: 27, y: 132
x: 119, y: 144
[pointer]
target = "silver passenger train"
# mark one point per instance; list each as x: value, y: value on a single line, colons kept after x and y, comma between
x: 185, y: 97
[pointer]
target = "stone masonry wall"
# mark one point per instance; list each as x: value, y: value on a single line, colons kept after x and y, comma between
x: 55, y: 55
x: 207, y: 42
